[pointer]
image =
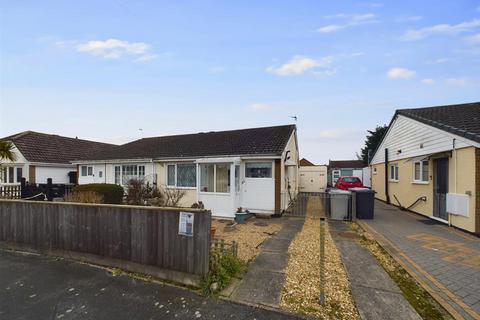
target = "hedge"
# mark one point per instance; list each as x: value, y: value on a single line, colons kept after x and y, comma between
x: 111, y: 193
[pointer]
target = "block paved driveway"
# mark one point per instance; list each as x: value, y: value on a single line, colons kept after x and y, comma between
x: 445, y: 260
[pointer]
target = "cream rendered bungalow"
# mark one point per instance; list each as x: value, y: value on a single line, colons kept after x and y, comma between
x: 429, y: 162
x: 255, y: 169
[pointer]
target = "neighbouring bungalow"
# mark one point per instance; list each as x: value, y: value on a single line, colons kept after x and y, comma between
x: 253, y: 169
x: 341, y: 168
x: 40, y: 156
x: 429, y: 162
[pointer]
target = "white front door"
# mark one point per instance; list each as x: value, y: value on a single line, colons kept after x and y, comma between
x: 258, y: 188
x: 216, y: 188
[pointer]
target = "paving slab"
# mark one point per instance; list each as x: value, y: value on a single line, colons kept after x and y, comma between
x: 446, y: 261
x: 263, y: 283
x: 39, y: 287
x: 376, y: 295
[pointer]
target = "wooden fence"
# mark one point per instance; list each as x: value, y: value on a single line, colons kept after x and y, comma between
x: 10, y: 192
x: 130, y: 236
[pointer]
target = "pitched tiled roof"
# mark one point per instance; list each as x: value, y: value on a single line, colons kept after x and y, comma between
x: 51, y: 148
x: 459, y: 119
x: 332, y: 164
x: 256, y: 141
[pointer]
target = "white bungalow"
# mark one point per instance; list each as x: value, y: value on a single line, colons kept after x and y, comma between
x: 255, y: 169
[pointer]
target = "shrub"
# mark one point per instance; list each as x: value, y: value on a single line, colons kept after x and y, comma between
x: 111, y: 193
x: 84, y: 197
x: 141, y: 193
x: 223, y: 268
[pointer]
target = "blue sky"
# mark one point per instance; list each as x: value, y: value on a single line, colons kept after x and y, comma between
x: 103, y: 69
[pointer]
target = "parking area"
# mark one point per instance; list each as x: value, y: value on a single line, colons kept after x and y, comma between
x: 446, y: 261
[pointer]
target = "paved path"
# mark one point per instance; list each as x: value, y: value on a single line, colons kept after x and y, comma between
x: 376, y: 295
x: 445, y: 260
x: 263, y: 283
x: 38, y: 287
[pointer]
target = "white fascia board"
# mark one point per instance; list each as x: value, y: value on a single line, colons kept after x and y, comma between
x: 115, y: 161
x: 47, y: 164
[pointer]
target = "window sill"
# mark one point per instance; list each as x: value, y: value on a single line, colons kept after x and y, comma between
x: 182, y: 188
x: 421, y: 182
x: 394, y: 181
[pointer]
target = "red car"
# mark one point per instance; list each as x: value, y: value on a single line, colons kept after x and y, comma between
x: 346, y: 183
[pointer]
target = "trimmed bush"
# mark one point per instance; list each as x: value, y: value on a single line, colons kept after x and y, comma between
x: 111, y: 193
x: 84, y: 197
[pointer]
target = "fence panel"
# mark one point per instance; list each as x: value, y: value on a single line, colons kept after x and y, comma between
x: 143, y: 235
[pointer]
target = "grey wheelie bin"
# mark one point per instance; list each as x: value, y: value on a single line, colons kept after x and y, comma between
x: 340, y: 204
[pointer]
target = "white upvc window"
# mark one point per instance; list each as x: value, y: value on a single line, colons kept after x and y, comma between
x: 124, y: 173
x: 393, y: 175
x: 11, y: 175
x: 182, y: 175
x: 215, y: 178
x: 420, y: 171
x: 86, y: 171
x: 258, y: 170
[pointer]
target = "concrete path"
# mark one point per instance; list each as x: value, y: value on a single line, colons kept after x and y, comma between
x: 38, y: 287
x: 444, y: 260
x: 376, y: 295
x: 263, y: 283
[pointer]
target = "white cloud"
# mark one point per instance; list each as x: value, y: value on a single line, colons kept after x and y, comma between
x: 457, y: 81
x: 428, y: 81
x: 348, y: 20
x: 374, y: 4
x: 330, y: 28
x: 260, y: 107
x: 400, y: 73
x: 147, y: 57
x: 300, y: 64
x: 475, y: 39
x: 441, y: 29
x: 115, y: 49
x: 409, y: 18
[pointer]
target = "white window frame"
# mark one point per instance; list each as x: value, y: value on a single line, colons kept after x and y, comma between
x: 272, y: 168
x: 420, y: 181
x: 374, y: 170
x: 396, y: 176
x: 120, y: 166
x: 229, y: 167
x: 87, y: 168
x: 176, y: 175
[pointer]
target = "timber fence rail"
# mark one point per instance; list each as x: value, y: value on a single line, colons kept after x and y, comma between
x: 129, y: 236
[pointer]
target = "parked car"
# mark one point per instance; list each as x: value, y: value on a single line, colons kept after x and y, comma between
x: 346, y: 183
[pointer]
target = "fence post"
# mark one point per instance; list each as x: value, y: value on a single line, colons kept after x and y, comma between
x: 49, y: 189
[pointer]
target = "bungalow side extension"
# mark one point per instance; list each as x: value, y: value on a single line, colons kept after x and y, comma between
x: 429, y: 162
x: 255, y: 169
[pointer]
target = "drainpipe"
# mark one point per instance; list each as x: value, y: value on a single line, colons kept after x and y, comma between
x: 454, y: 175
x: 387, y: 195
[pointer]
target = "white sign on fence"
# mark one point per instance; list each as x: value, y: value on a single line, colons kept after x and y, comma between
x: 185, y: 224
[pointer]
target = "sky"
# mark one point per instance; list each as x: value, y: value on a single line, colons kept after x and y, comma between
x: 118, y: 70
